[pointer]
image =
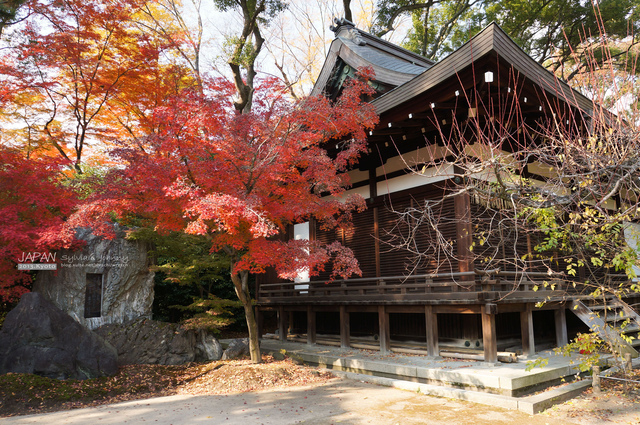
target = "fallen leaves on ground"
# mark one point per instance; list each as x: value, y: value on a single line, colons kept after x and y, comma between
x: 22, y: 394
x: 616, y: 403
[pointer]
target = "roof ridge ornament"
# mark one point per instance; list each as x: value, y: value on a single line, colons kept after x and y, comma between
x: 352, y: 33
x: 339, y: 22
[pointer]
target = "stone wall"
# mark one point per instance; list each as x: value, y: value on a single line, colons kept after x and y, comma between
x: 127, y: 288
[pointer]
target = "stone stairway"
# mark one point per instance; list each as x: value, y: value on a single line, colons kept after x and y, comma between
x: 611, y: 318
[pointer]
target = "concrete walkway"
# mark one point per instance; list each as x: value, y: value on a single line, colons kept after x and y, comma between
x: 341, y: 401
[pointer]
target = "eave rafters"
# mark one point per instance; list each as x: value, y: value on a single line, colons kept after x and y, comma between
x: 451, y: 102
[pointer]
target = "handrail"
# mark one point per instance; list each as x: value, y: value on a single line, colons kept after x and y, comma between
x: 486, y: 284
x: 369, y: 279
x: 493, y: 272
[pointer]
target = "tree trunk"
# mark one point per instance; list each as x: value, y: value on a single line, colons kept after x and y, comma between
x: 241, y: 283
x: 252, y: 325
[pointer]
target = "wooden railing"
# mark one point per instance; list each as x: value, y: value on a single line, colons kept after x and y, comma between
x: 476, y: 286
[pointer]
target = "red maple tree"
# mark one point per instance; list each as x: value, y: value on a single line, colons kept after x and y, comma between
x: 242, y: 179
x: 33, y: 208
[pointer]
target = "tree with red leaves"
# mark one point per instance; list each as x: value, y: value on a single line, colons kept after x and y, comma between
x: 242, y: 178
x: 76, y: 75
x: 33, y: 208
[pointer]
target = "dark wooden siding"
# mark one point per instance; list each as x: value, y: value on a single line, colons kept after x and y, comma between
x: 423, y: 250
x: 361, y: 239
x: 393, y: 261
x: 407, y: 245
x: 326, y: 237
x: 497, y: 243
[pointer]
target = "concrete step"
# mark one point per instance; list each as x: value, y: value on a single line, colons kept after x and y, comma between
x: 512, y: 379
x: 532, y: 404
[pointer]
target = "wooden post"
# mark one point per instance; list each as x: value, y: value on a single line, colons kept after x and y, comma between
x: 596, y: 379
x: 259, y: 321
x: 373, y: 183
x: 432, y: 331
x: 526, y: 330
x: 373, y: 193
x: 345, y: 338
x: 283, y: 326
x: 385, y: 337
x: 464, y: 231
x: 489, y: 337
x: 311, y: 326
x: 561, y: 327
x: 376, y: 239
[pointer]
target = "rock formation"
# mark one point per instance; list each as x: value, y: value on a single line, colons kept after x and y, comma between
x: 126, y: 292
x: 237, y: 348
x: 151, y: 342
x: 39, y: 338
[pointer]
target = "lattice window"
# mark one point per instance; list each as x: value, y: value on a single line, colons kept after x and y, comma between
x: 93, y: 296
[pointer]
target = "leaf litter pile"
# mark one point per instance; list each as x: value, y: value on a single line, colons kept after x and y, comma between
x: 22, y: 394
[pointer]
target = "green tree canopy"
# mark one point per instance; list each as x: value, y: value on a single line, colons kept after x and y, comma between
x: 548, y: 30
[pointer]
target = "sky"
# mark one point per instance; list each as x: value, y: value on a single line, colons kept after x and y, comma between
x: 298, y: 39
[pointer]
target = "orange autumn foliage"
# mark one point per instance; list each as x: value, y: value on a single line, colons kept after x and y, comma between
x: 243, y: 178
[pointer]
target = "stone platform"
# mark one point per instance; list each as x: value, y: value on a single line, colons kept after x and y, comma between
x: 508, y: 385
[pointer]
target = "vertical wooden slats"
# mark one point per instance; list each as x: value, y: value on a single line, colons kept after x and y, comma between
x: 260, y: 321
x: 326, y: 237
x: 361, y: 239
x: 93, y: 295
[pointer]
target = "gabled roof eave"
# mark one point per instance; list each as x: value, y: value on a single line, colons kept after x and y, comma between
x: 491, y: 40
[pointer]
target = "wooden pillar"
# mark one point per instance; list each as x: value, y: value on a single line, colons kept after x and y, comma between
x: 290, y: 323
x: 385, y: 337
x: 464, y: 232
x: 373, y: 183
x: 561, y: 326
x: 345, y: 332
x: 257, y: 288
x: 373, y: 193
x: 312, y: 230
x: 526, y: 330
x: 489, y: 337
x: 432, y: 331
x: 311, y: 326
x: 260, y: 321
x: 283, y: 325
x: 376, y: 240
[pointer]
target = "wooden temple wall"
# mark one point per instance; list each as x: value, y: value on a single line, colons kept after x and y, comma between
x: 377, y: 232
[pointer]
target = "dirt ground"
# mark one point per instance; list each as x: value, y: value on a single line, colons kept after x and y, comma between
x: 614, y: 405
x: 28, y: 394
x: 22, y: 394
